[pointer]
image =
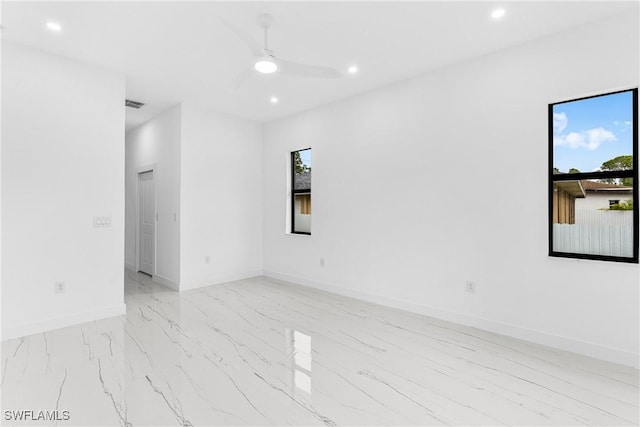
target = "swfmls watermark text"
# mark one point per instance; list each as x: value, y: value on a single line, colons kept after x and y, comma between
x: 35, y: 415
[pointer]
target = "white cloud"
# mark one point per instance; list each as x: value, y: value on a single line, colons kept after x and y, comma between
x: 597, y: 136
x: 573, y: 140
x: 559, y: 122
x: 589, y: 139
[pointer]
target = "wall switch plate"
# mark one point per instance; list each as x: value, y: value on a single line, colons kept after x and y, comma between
x: 59, y: 287
x: 207, y: 259
x: 102, y: 222
x: 321, y: 262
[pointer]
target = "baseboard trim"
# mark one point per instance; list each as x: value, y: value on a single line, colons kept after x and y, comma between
x: 166, y: 282
x: 156, y: 278
x: 63, y: 321
x: 185, y: 286
x: 559, y: 342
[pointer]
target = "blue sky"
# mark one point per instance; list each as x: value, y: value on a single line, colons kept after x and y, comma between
x: 592, y: 131
x: 305, y: 156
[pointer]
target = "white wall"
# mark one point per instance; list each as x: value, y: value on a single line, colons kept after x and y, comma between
x: 423, y: 185
x: 1, y: 314
x: 221, y: 198
x: 156, y: 144
x: 62, y: 165
x: 600, y: 200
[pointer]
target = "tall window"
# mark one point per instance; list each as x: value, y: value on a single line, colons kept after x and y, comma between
x: 301, y: 191
x: 593, y: 161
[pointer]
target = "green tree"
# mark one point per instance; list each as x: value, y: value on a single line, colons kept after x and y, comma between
x: 620, y: 163
x: 574, y: 170
x: 297, y: 163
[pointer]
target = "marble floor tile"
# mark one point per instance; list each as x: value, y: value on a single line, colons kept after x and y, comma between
x: 255, y: 352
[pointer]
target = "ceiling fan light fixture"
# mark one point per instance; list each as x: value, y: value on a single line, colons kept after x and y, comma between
x: 53, y: 26
x: 498, y: 14
x: 266, y: 66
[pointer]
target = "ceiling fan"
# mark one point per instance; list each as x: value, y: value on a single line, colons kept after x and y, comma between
x: 266, y: 62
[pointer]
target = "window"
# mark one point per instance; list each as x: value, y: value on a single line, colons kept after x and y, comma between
x: 593, y: 171
x: 301, y: 191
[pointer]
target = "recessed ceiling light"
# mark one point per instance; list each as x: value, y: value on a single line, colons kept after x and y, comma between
x: 353, y: 69
x: 54, y: 26
x: 498, y: 13
x: 273, y: 100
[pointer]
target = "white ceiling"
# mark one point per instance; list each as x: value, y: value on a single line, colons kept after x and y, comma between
x: 179, y: 51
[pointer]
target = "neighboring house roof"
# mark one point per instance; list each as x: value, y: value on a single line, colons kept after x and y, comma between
x: 572, y: 187
x: 303, y: 180
x: 602, y: 186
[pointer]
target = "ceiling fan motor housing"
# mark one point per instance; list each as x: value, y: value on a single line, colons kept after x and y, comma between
x: 265, y: 20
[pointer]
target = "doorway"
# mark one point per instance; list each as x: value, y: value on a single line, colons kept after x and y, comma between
x: 146, y: 223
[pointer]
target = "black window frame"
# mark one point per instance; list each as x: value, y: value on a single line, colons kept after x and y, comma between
x: 295, y: 191
x: 597, y: 175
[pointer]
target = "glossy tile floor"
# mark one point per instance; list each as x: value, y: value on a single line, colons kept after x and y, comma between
x: 254, y: 352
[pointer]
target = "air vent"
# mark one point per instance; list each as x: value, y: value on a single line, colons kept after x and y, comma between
x: 133, y: 104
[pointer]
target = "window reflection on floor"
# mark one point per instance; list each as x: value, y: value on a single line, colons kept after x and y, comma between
x: 299, y: 349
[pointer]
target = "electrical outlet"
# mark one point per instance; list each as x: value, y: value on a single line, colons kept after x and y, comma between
x: 102, y: 222
x: 207, y: 259
x: 321, y: 262
x: 471, y: 287
x: 58, y: 287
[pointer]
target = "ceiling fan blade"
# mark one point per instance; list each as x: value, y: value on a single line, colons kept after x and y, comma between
x: 304, y: 70
x: 241, y: 79
x: 254, y: 46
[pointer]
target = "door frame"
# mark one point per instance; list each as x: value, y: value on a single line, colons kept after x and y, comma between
x: 140, y: 170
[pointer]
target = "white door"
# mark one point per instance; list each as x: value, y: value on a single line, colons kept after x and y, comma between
x: 147, y: 223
